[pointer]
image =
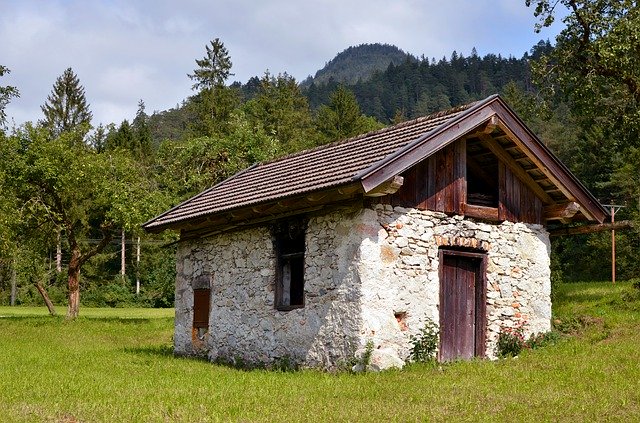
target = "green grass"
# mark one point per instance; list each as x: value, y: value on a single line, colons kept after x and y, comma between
x: 91, y: 312
x: 120, y: 368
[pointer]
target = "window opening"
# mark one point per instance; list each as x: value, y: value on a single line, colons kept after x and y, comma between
x: 201, y: 301
x: 290, y: 246
x: 482, y: 175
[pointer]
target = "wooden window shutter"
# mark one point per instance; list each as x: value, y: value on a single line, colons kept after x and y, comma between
x: 201, y: 300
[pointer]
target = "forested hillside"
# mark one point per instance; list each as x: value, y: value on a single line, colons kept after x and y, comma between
x: 74, y: 195
x: 358, y: 64
x: 415, y: 87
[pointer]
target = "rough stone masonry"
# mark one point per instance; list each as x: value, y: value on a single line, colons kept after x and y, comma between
x: 370, y: 276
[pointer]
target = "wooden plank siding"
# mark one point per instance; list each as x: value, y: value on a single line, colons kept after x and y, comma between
x: 517, y: 202
x: 439, y: 183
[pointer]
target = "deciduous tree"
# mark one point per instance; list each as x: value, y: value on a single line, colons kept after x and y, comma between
x: 6, y: 94
x: 69, y: 184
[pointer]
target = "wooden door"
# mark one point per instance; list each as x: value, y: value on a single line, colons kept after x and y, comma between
x: 462, y: 305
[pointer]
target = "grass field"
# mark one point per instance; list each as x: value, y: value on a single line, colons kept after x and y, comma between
x: 115, y: 365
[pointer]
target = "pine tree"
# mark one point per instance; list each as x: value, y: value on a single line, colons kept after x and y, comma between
x: 215, y: 101
x: 142, y: 133
x: 66, y: 107
x: 342, y: 118
x: 214, y: 69
x: 283, y: 112
x: 123, y: 137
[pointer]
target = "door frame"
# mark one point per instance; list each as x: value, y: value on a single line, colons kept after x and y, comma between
x: 480, y: 302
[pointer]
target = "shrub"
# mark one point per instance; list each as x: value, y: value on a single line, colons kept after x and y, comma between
x: 425, y: 343
x: 510, y: 341
x: 540, y: 340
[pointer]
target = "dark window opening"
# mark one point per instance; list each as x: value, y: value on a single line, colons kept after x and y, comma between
x: 289, y: 243
x: 201, y: 301
x: 482, y: 184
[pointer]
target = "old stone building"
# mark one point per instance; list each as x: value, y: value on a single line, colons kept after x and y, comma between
x: 314, y: 255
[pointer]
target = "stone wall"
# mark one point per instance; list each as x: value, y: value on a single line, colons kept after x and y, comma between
x: 405, y: 278
x: 370, y: 275
x: 244, y: 323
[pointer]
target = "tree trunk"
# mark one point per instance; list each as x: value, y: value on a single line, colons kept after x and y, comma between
x: 14, y: 279
x: 59, y: 254
x: 45, y: 297
x: 74, y: 285
x: 122, y: 255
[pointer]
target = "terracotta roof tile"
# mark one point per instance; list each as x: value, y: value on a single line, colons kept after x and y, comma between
x: 323, y: 167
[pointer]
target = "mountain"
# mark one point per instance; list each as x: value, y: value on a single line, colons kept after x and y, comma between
x: 359, y: 63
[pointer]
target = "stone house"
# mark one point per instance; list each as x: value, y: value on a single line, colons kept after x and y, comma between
x: 313, y: 255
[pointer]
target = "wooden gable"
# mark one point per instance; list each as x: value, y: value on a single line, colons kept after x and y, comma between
x: 485, y: 165
x: 463, y: 179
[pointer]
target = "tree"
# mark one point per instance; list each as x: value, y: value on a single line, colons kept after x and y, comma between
x: 342, y: 117
x: 66, y: 107
x: 6, y: 94
x: 143, y: 140
x: 214, y: 69
x: 595, y: 61
x: 187, y: 167
x: 123, y: 138
x: 595, y: 69
x: 281, y: 110
x: 66, y: 182
x: 214, y: 101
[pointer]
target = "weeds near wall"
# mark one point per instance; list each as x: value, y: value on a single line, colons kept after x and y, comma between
x: 425, y: 344
x: 511, y: 341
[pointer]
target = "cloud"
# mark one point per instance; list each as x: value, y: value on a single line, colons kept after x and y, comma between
x: 124, y: 51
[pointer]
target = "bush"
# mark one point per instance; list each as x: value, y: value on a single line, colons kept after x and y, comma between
x: 425, y: 343
x: 115, y: 294
x: 511, y: 341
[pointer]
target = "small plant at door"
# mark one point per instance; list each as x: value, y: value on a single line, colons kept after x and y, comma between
x: 424, y: 344
x: 510, y: 341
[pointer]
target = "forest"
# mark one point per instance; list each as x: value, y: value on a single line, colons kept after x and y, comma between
x: 74, y: 195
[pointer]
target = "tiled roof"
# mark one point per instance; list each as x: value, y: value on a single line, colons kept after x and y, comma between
x: 323, y: 167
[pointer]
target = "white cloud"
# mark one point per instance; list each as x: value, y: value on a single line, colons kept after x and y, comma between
x: 124, y: 51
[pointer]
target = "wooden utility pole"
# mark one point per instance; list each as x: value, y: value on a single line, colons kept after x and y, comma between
x: 138, y: 266
x: 122, y: 255
x: 14, y: 279
x: 614, y: 208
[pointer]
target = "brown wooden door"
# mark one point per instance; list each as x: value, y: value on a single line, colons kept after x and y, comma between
x: 461, y: 305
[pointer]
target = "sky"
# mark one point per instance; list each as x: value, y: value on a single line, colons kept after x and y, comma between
x: 124, y: 51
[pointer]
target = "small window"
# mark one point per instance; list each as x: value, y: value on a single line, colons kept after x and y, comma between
x: 201, y: 300
x: 289, y: 246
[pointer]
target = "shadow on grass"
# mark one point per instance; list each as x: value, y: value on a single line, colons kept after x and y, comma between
x: 151, y: 351
x: 126, y: 320
x: 33, y: 320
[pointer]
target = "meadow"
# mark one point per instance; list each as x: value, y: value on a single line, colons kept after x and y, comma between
x: 117, y: 365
